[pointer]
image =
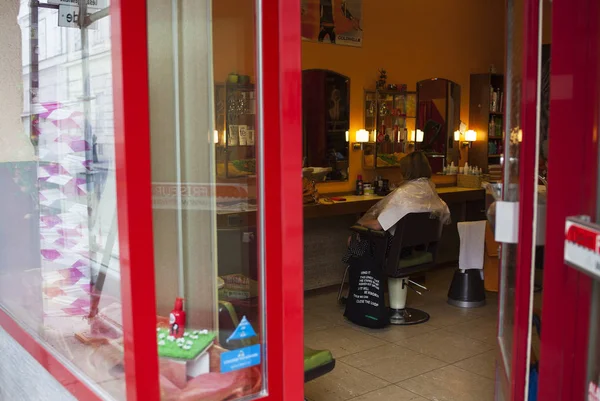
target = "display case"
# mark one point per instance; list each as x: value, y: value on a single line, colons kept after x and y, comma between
x: 386, y: 121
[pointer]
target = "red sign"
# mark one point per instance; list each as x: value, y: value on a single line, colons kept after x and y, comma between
x: 583, y: 236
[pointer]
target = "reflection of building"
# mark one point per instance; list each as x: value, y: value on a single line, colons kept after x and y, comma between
x: 61, y: 72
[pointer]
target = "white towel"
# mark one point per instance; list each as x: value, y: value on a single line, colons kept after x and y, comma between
x: 472, y: 243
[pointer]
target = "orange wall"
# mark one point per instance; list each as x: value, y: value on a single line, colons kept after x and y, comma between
x: 412, y: 40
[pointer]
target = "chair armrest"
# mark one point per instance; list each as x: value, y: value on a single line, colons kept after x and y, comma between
x: 368, y: 232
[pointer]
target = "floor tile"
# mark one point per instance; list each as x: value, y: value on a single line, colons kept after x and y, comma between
x: 443, y: 315
x: 483, y: 329
x: 391, y: 393
x: 341, y: 341
x: 324, y: 317
x: 393, y: 363
x: 482, y: 364
x: 451, y: 384
x: 445, y: 346
x: 396, y: 333
x: 343, y: 383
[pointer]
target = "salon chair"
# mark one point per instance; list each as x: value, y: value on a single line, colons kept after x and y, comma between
x: 413, y: 251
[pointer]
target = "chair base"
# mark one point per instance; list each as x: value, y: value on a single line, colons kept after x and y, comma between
x: 408, y: 316
x: 466, y: 304
x: 467, y: 289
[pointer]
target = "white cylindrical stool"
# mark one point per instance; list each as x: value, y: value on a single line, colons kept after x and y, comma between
x: 399, y: 313
x: 467, y: 289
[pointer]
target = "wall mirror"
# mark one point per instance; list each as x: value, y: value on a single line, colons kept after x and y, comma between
x: 325, y: 125
x: 438, y: 116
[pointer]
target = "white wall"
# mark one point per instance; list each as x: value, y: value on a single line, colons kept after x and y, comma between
x: 14, y: 142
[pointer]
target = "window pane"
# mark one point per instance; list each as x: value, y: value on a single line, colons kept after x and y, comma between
x: 203, y: 108
x: 59, y: 265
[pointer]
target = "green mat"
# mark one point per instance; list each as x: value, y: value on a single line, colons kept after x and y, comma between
x: 188, y: 347
x: 314, y: 358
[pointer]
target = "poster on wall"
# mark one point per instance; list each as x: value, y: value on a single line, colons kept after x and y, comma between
x: 332, y: 21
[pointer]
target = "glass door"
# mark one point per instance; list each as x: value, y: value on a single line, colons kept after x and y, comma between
x: 224, y: 186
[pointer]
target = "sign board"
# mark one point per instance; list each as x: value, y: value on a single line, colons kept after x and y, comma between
x: 243, y: 331
x: 95, y: 4
x: 68, y: 17
x: 196, y: 196
x: 582, y: 246
x: 240, y: 358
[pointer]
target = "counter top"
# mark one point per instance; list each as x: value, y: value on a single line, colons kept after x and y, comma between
x: 353, y: 204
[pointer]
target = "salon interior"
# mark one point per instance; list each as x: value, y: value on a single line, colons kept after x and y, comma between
x: 403, y: 78
x: 426, y: 77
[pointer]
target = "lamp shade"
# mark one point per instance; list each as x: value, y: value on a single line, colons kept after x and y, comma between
x: 416, y: 137
x: 457, y: 135
x: 216, y: 136
x: 362, y: 135
x: 470, y: 136
x: 347, y: 137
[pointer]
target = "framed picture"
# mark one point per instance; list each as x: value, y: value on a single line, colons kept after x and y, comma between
x: 411, y: 104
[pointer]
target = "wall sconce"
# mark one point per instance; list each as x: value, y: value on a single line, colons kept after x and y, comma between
x: 216, y: 136
x: 416, y: 137
x: 470, y: 137
x: 347, y: 136
x: 362, y: 136
x: 457, y: 135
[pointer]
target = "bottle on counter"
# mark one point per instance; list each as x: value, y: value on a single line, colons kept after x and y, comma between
x: 360, y: 189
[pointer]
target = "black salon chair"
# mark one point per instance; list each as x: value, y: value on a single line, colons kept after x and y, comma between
x: 413, y: 250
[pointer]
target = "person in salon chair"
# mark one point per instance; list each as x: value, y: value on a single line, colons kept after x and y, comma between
x: 416, y: 194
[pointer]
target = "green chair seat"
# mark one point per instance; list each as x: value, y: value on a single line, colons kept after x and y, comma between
x: 314, y: 359
x: 415, y: 259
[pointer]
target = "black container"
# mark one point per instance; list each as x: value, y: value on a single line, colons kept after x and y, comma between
x: 467, y: 290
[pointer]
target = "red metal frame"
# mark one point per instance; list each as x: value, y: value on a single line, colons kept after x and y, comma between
x: 45, y: 358
x: 527, y: 189
x: 134, y: 197
x: 574, y: 121
x: 282, y: 136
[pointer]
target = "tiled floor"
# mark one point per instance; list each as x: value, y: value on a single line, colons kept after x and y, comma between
x: 450, y: 358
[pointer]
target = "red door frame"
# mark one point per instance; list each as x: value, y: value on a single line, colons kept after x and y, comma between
x: 528, y: 181
x: 574, y: 109
x: 515, y: 385
x: 283, y: 216
x: 279, y: 66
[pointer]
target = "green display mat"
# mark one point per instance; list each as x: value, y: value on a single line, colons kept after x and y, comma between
x: 171, y: 349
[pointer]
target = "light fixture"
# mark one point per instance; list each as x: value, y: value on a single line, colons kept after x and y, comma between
x: 470, y: 136
x: 216, y: 136
x: 347, y: 137
x: 416, y: 137
x: 362, y: 136
x: 457, y: 135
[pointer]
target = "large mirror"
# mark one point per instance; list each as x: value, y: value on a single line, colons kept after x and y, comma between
x: 438, y: 116
x: 325, y: 125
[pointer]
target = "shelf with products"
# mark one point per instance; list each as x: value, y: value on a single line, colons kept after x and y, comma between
x: 235, y: 136
x: 386, y: 121
x: 486, y: 115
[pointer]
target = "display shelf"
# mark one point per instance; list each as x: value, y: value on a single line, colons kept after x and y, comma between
x: 486, y: 117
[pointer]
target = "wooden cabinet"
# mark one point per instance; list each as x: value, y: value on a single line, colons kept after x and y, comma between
x: 486, y: 117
